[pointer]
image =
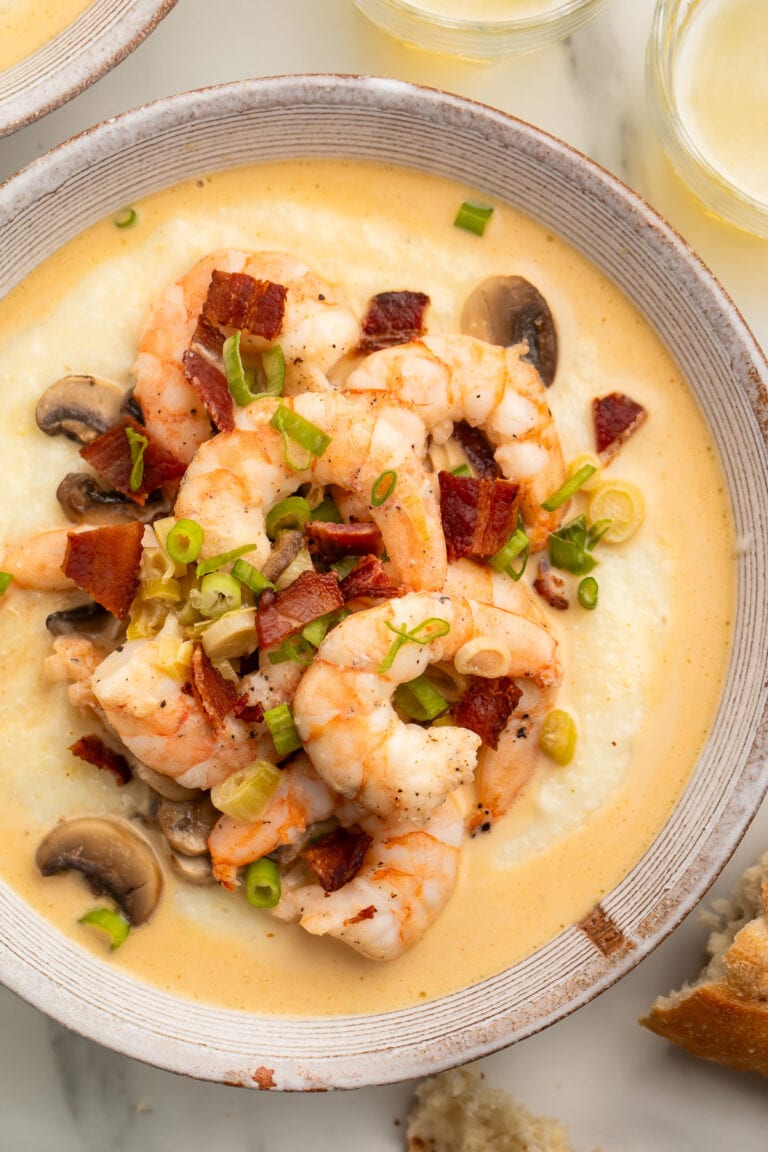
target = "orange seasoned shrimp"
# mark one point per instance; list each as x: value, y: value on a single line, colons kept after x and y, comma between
x: 318, y: 328
x: 445, y: 379
x: 407, y: 877
x: 153, y: 712
x: 36, y: 561
x: 344, y: 709
x: 238, y: 476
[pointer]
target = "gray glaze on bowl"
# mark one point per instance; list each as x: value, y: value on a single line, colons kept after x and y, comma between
x: 99, y: 172
x: 95, y: 42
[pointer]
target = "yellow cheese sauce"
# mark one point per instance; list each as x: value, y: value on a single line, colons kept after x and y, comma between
x: 25, y: 27
x: 643, y: 671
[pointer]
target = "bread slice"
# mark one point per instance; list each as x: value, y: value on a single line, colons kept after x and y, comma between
x: 458, y: 1112
x: 723, y: 1015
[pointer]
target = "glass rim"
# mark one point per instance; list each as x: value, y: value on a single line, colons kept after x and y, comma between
x: 478, y: 25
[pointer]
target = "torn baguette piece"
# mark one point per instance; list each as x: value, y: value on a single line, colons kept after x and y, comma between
x: 723, y: 1016
x: 458, y: 1112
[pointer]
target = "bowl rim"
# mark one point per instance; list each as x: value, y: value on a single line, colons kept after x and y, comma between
x: 494, y: 25
x: 102, y: 35
x: 437, y: 1034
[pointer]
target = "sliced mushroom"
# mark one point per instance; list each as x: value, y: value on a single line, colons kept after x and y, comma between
x: 193, y: 869
x: 165, y: 786
x: 509, y: 310
x: 285, y: 550
x: 88, y: 619
x: 131, y: 407
x: 114, y: 858
x: 84, y: 501
x: 79, y: 407
x: 187, y: 826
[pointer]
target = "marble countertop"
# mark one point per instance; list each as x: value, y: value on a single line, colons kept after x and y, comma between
x: 615, y: 1085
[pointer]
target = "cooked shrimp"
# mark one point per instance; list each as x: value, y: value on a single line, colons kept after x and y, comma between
x: 162, y: 723
x: 235, y: 479
x: 480, y: 582
x: 445, y: 379
x: 407, y: 877
x: 75, y: 658
x: 318, y: 328
x: 36, y: 561
x: 302, y: 799
x: 344, y: 711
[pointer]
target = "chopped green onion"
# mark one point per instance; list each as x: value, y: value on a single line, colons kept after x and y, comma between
x: 462, y: 470
x: 113, y: 924
x: 5, y: 582
x: 308, y: 436
x: 588, y: 592
x: 235, y: 373
x: 214, y: 562
x: 430, y: 629
x: 295, y: 648
x: 273, y: 363
x: 570, y: 549
x: 138, y: 445
x: 578, y: 480
x: 344, y: 566
x: 262, y: 884
x: 558, y: 736
x: 327, y: 511
x: 231, y: 636
x: 597, y: 531
x: 246, y: 793
x: 251, y: 577
x: 282, y: 729
x: 184, y: 541
x: 293, y: 512
x: 166, y: 588
x: 420, y: 700
x: 315, y: 631
x: 219, y: 593
x: 517, y: 545
x: 473, y: 217
x: 383, y: 487
x: 125, y: 218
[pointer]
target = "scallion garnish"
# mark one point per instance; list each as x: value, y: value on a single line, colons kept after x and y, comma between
x: 138, y: 445
x: 308, y: 436
x: 517, y: 545
x: 184, y: 541
x: 383, y: 487
x: 473, y: 217
x: 214, y: 562
x: 262, y: 883
x: 327, y: 511
x: 578, y: 480
x: 429, y: 629
x: 293, y: 512
x: 316, y: 630
x: 246, y: 793
x: 295, y: 648
x: 273, y: 363
x: 125, y: 218
x: 284, y: 733
x: 5, y: 582
x: 570, y: 548
x: 219, y: 593
x: 344, y: 566
x: 113, y: 924
x: 251, y: 577
x: 597, y: 531
x: 588, y: 592
x: 462, y: 470
x: 235, y: 372
x: 420, y: 700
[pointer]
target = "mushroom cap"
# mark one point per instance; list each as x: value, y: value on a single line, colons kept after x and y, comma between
x: 114, y: 858
x: 79, y: 407
x: 193, y: 869
x: 84, y: 501
x: 163, y: 785
x: 88, y: 619
x: 187, y: 825
x: 509, y: 310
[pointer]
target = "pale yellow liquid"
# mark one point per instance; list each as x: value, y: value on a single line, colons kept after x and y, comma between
x: 643, y: 671
x: 26, y: 26
x: 722, y: 89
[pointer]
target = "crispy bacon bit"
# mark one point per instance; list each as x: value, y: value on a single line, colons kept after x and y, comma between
x: 105, y: 563
x: 478, y: 516
x: 478, y: 450
x: 337, y: 858
x: 486, y: 706
x: 370, y: 580
x: 217, y: 696
x: 236, y: 300
x: 110, y: 456
x: 247, y: 712
x: 334, y: 540
x: 282, y: 614
x: 94, y: 751
x: 616, y: 417
x: 210, y: 383
x: 551, y: 587
x: 367, y: 913
x: 393, y: 318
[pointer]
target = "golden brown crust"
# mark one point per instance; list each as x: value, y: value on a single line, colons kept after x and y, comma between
x: 714, y: 1023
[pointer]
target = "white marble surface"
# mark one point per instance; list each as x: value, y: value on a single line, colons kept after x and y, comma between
x: 614, y: 1084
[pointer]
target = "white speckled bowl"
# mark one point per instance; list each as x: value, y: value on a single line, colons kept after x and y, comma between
x: 100, y: 171
x: 95, y: 42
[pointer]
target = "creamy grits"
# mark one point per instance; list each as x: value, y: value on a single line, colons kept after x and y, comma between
x: 643, y: 671
x: 25, y: 27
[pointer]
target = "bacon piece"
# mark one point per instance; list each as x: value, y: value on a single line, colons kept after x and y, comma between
x: 616, y: 417
x: 105, y: 563
x: 334, y: 540
x: 486, y: 706
x: 338, y: 857
x: 110, y: 456
x: 283, y: 614
x: 217, y: 696
x: 551, y: 587
x: 393, y: 318
x: 478, y: 449
x: 248, y: 713
x: 94, y: 751
x: 369, y: 579
x: 236, y: 300
x: 478, y: 516
x: 210, y: 383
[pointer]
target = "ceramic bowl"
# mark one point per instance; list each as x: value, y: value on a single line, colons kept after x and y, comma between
x: 104, y: 33
x: 284, y: 117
